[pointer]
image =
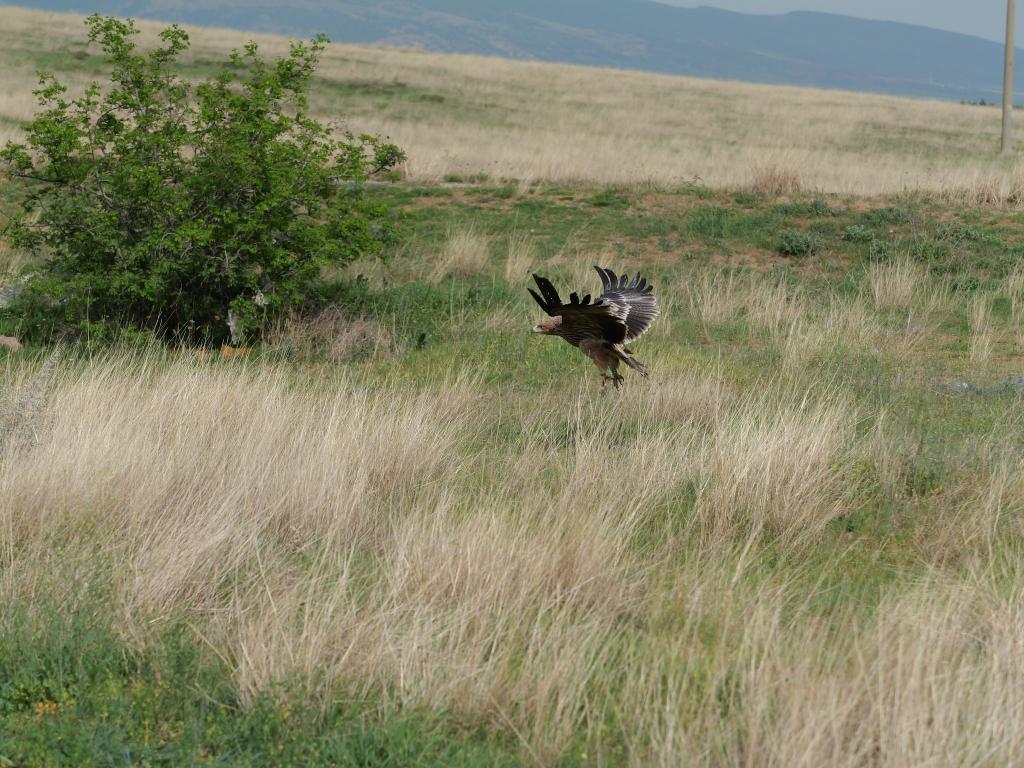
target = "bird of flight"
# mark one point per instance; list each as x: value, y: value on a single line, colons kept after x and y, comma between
x: 601, y: 328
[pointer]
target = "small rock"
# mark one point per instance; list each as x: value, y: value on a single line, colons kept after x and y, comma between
x: 11, y: 343
x: 7, y: 295
x: 1012, y: 384
x: 1015, y: 383
x: 957, y: 387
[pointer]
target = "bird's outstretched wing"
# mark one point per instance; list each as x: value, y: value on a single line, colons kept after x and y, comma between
x: 634, y: 300
x: 583, y: 318
x: 548, y: 298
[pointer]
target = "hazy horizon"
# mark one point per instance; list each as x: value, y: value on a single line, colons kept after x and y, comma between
x: 819, y: 50
x: 983, y: 19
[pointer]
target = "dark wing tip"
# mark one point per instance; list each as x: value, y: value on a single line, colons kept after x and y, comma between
x: 547, y: 290
x: 540, y: 301
x: 613, y: 282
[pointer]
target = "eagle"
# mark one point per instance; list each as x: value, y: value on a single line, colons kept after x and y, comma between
x: 601, y: 328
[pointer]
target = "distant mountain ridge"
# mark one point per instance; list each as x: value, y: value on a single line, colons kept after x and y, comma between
x: 799, y: 48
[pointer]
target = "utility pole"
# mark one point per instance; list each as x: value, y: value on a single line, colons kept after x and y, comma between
x: 1007, y: 143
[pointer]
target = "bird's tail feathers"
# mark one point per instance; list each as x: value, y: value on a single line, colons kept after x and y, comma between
x: 633, y: 363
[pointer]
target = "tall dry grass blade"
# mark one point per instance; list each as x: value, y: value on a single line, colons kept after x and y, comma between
x: 20, y: 419
x: 980, y: 320
x: 464, y: 254
x: 521, y: 256
x: 896, y: 285
x: 772, y: 180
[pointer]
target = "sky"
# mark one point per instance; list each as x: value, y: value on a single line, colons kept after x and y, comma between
x: 983, y: 18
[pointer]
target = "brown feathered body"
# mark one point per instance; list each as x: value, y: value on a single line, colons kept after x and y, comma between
x: 601, y: 328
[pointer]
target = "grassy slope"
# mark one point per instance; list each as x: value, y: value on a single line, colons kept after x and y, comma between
x: 781, y: 314
x: 74, y: 690
x: 465, y: 116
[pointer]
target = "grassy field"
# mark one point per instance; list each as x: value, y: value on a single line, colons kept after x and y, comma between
x: 406, y: 532
x: 414, y: 534
x: 462, y: 116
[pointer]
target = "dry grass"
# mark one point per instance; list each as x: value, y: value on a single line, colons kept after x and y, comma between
x: 896, y: 285
x: 379, y: 538
x: 464, y: 254
x: 802, y: 330
x: 694, y: 397
x: 714, y: 297
x: 330, y: 334
x: 996, y: 188
x: 851, y: 325
x: 773, y: 180
x: 11, y: 262
x: 1013, y: 289
x: 651, y: 578
x: 774, y: 307
x: 573, y: 268
x: 21, y: 411
x: 905, y: 286
x: 980, y: 320
x: 567, y: 123
x: 521, y: 257
x: 770, y: 307
x: 773, y: 468
x: 933, y: 661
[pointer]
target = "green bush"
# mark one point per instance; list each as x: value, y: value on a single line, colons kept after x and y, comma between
x: 858, y: 233
x: 956, y: 232
x: 881, y: 250
x: 814, y: 208
x: 797, y: 243
x: 608, y: 198
x: 199, y: 212
x: 890, y: 215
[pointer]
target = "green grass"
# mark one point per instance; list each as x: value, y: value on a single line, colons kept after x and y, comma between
x: 74, y: 694
x: 76, y: 58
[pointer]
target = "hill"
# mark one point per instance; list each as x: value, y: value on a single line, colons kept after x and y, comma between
x: 461, y: 117
x: 816, y: 49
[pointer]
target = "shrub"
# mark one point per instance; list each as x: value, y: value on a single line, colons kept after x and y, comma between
x: 956, y: 232
x: 881, y: 250
x: 608, y: 198
x: 858, y: 233
x: 937, y: 254
x: 796, y: 243
x: 814, y: 208
x: 190, y: 211
x: 890, y: 215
